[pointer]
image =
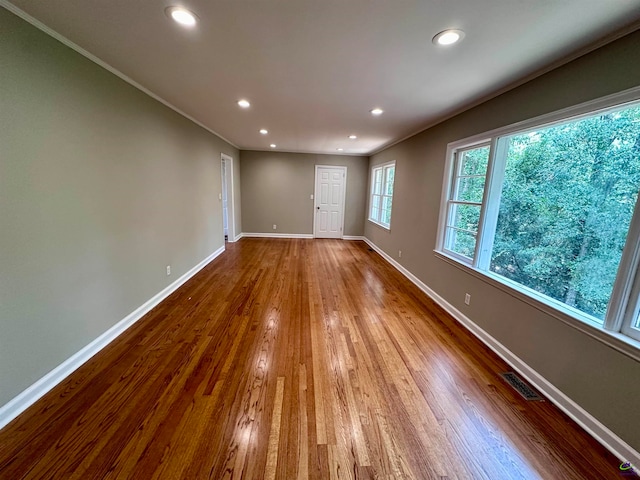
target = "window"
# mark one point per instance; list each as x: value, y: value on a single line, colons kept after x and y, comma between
x: 466, y: 200
x: 382, y: 194
x: 551, y: 211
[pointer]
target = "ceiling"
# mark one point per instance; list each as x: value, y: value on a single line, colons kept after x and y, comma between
x: 313, y: 69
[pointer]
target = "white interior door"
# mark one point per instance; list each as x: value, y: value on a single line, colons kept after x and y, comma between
x: 329, y: 201
x: 225, y: 211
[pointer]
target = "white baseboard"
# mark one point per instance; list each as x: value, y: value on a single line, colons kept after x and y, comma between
x: 588, y: 422
x: 31, y: 394
x: 290, y: 235
x: 238, y: 237
x: 277, y: 235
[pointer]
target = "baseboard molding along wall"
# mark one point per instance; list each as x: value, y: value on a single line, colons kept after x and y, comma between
x: 276, y: 235
x: 588, y: 422
x: 291, y: 235
x: 31, y: 394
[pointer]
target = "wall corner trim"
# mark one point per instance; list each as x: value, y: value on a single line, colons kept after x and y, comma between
x: 31, y: 394
x: 588, y: 422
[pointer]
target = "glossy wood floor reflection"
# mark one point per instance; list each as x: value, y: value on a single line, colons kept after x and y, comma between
x: 295, y: 359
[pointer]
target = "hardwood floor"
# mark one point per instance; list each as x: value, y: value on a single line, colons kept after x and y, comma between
x: 295, y: 359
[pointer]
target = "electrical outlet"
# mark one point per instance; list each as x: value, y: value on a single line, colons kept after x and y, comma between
x: 168, y: 270
x: 310, y: 197
x: 467, y: 299
x: 399, y: 253
x: 274, y: 226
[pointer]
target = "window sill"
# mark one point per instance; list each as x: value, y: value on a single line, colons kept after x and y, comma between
x: 386, y: 227
x: 618, y: 341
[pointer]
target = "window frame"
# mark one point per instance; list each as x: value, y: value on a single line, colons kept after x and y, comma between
x: 617, y: 330
x: 456, y: 167
x: 384, y: 169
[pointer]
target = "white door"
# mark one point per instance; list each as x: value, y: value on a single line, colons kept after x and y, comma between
x: 329, y: 201
x: 225, y: 211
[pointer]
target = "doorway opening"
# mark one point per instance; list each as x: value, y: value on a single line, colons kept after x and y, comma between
x: 228, y: 218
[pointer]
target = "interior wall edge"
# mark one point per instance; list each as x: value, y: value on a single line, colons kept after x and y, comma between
x: 582, y: 417
x: 38, y: 389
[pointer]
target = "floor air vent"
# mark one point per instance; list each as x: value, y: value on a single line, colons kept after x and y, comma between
x: 522, y: 387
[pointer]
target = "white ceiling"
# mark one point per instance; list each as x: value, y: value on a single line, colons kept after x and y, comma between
x: 312, y: 69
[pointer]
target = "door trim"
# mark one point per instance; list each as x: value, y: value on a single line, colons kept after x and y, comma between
x: 315, y: 196
x: 231, y: 215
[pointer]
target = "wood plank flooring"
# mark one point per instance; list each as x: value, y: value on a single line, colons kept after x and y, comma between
x: 296, y: 359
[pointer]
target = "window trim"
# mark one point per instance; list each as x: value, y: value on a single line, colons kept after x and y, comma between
x: 455, y: 167
x: 618, y: 341
x: 617, y: 330
x: 382, y: 167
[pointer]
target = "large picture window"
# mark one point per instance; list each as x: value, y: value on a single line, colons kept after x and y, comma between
x: 548, y: 210
x: 381, y: 200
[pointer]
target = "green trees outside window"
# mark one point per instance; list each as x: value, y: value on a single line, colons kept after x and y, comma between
x: 550, y: 209
x: 567, y: 200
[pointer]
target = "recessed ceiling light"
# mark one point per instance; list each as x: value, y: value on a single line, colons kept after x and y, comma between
x: 448, y: 37
x: 377, y: 111
x: 182, y: 16
x: 353, y: 137
x: 244, y: 103
x: 264, y: 131
x: 273, y: 145
x: 340, y: 149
